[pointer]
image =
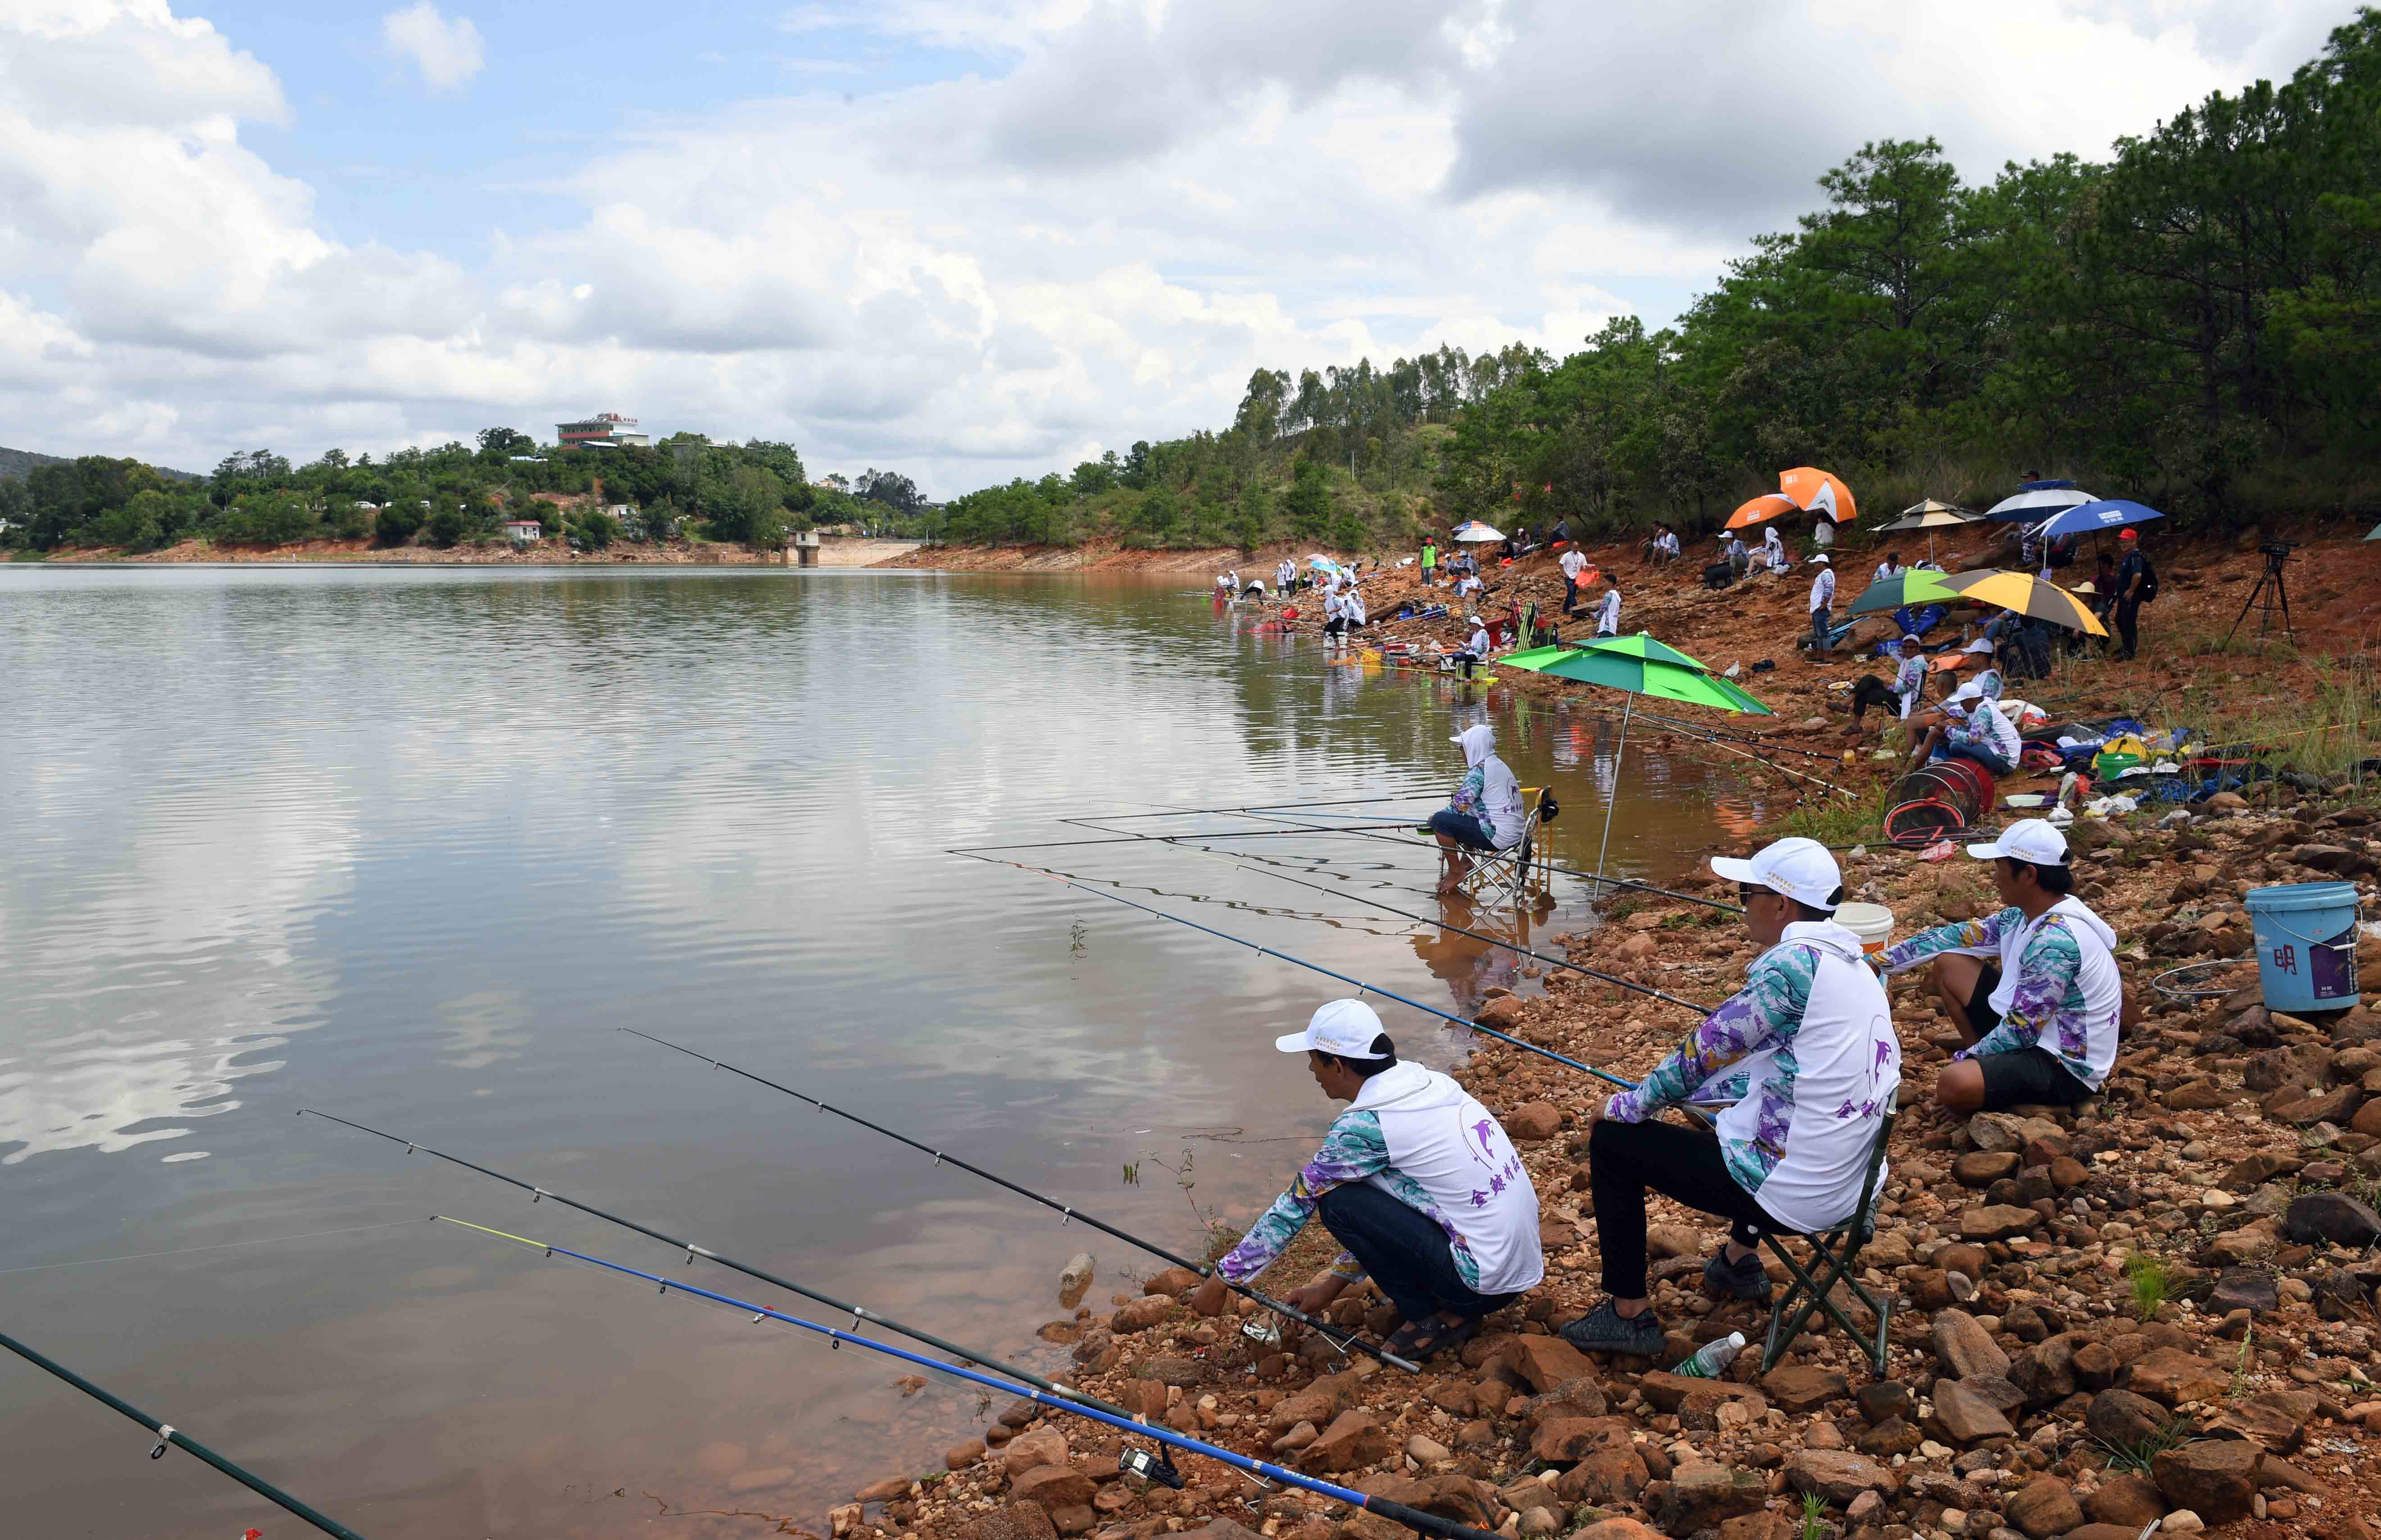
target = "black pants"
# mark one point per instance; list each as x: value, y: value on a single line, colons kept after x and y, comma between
x: 1625, y: 1159
x: 2128, y: 627
x: 1869, y: 691
x: 1404, y: 1251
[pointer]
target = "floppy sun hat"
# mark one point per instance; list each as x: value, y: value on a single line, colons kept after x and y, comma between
x: 1344, y: 1029
x: 1802, y: 869
x: 2032, y: 840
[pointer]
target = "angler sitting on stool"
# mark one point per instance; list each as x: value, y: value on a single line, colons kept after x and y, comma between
x: 1806, y: 1054
x: 1416, y: 1179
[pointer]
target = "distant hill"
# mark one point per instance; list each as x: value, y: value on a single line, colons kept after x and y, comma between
x: 19, y: 462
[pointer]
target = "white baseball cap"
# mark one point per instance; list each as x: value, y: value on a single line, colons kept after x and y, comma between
x: 1343, y: 1028
x: 1822, y: 559
x: 2031, y: 841
x: 1802, y: 869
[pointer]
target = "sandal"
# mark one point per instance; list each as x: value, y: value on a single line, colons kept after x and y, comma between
x: 1417, y: 1340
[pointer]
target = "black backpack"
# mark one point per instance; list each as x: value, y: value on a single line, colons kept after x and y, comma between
x: 2149, y: 578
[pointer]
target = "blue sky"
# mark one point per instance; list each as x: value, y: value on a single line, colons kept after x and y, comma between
x: 968, y: 239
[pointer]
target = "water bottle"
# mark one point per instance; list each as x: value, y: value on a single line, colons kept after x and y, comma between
x: 1712, y: 1357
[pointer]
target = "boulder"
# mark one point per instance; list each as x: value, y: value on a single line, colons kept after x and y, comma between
x: 2130, y: 1500
x: 1965, y: 1347
x: 2104, y: 1532
x: 1673, y: 1393
x: 1701, y: 1497
x: 2336, y: 1105
x: 1532, y: 1121
x: 1984, y: 1167
x: 2276, y: 1421
x: 1170, y: 1280
x: 1054, y: 1487
x: 1804, y: 1388
x: 1883, y: 1400
x: 1996, y: 1221
x: 2123, y: 1420
x: 1545, y: 1363
x: 1764, y: 1525
x: 1353, y: 1440
x: 1615, y: 1528
x: 2045, y: 1372
x: 1609, y: 1477
x: 1994, y: 1132
x: 1027, y: 1450
x: 2043, y: 1507
x: 1142, y: 1314
x: 2250, y: 1172
x: 1966, y: 1417
x: 2172, y: 1376
x: 883, y: 1491
x: 2215, y: 1478
x: 1837, y: 1475
x: 1568, y: 1440
x: 2333, y: 1216
x: 2243, y: 1288
x: 1015, y: 1522
x: 1581, y: 1397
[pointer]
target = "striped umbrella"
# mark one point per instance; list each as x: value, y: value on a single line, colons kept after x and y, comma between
x: 2035, y: 598
x: 1821, y: 492
x: 1768, y: 506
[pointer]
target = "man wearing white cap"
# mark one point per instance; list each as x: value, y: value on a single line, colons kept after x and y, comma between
x: 1607, y: 614
x: 1416, y: 1179
x: 2033, y: 989
x: 1806, y: 1054
x: 1823, y: 598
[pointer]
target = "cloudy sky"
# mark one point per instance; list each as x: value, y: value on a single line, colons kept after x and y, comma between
x: 969, y: 239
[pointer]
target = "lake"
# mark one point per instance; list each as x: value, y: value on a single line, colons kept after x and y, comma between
x: 410, y: 846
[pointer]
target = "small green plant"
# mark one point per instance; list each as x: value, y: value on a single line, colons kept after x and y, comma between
x: 2241, y: 1384
x: 2152, y: 1283
x: 2138, y: 1457
x: 1132, y: 1173
x: 1837, y: 820
x: 1815, y: 1517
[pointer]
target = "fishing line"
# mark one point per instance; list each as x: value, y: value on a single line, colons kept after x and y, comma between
x: 1362, y: 987
x: 857, y: 1313
x: 1287, y: 1311
x: 220, y: 1246
x: 1412, y: 1518
x: 167, y: 1434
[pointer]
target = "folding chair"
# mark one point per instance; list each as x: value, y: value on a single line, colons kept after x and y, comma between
x: 1504, y: 876
x: 1834, y: 1251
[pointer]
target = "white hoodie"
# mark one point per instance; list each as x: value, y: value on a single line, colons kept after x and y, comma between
x: 1500, y: 794
x: 1445, y: 1143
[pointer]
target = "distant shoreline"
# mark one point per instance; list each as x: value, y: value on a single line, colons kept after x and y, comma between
x: 333, y: 553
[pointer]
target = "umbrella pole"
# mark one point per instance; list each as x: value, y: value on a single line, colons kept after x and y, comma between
x: 1629, y: 705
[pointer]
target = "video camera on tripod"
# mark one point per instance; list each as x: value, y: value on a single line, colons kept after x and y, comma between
x: 2271, y: 591
x: 2277, y: 551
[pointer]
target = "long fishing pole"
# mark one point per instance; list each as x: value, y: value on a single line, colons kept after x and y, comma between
x: 167, y: 1434
x: 1287, y: 1311
x: 1362, y: 987
x: 1412, y: 1518
x: 857, y: 1313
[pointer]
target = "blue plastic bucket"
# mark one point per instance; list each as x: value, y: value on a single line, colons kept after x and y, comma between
x: 2306, y: 944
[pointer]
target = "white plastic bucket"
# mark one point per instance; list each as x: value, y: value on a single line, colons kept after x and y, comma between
x: 1872, y: 922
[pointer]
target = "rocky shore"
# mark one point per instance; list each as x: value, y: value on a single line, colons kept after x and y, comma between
x: 2158, y: 1308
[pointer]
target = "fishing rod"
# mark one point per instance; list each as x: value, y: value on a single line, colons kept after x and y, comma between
x: 1362, y: 987
x: 1797, y: 775
x: 1287, y: 1311
x: 1271, y: 807
x: 857, y: 1313
x: 1157, y: 1468
x: 167, y: 1434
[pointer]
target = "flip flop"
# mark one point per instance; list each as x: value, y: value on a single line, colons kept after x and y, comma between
x: 1417, y: 1340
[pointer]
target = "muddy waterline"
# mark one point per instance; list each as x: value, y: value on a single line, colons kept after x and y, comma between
x: 408, y: 846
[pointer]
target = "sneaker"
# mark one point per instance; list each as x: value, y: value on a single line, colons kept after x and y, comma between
x: 1736, y: 1280
x: 1606, y: 1330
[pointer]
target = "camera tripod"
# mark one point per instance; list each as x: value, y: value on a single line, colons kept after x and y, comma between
x: 2273, y: 593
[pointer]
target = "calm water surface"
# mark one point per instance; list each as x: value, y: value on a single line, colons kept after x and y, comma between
x: 410, y: 846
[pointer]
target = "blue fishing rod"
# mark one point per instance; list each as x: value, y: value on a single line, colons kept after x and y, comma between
x: 1362, y: 987
x: 167, y: 1434
x: 1155, y: 1467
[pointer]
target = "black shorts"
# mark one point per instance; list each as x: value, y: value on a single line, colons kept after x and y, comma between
x: 2028, y: 1075
x: 1981, y: 1018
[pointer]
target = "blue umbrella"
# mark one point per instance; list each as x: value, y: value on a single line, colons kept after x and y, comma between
x: 2084, y: 518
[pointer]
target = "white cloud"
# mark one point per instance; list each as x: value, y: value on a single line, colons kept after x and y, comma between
x: 448, y: 53
x: 992, y: 275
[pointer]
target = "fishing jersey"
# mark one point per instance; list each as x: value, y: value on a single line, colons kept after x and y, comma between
x: 1806, y: 1054
x: 1420, y: 1138
x: 2059, y: 989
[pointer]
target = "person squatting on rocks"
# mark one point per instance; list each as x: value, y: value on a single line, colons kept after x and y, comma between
x: 1806, y: 1054
x: 1416, y: 1179
x: 1908, y: 683
x: 2033, y: 989
x: 1485, y: 813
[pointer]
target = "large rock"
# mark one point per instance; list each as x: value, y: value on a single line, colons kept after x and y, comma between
x: 1544, y: 1362
x: 1965, y: 1347
x: 2043, y: 1507
x: 2045, y: 1372
x: 2253, y: 1171
x: 1984, y: 1167
x: 1702, y: 1496
x: 2123, y: 1420
x: 1016, y: 1521
x: 1143, y: 1313
x: 2333, y: 1216
x: 1353, y: 1440
x: 2215, y: 1478
x: 1568, y: 1440
x: 1615, y: 1528
x: 1996, y: 1222
x: 1966, y: 1417
x: 1996, y: 1131
x: 2172, y: 1376
x: 2276, y: 1421
x: 2130, y: 1500
x: 1609, y: 1477
x: 1804, y: 1386
x: 1041, y: 1446
x: 2243, y: 1288
x: 1681, y: 1393
x: 1581, y: 1397
x: 1532, y: 1121
x: 1054, y: 1487
x: 1837, y: 1475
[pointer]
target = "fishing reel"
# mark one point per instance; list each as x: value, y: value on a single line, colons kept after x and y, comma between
x: 1155, y: 1465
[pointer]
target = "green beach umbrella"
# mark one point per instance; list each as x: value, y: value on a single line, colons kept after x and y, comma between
x: 1535, y: 659
x: 1911, y: 586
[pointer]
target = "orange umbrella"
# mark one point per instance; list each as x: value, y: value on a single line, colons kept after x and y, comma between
x: 1769, y: 504
x: 1818, y: 492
